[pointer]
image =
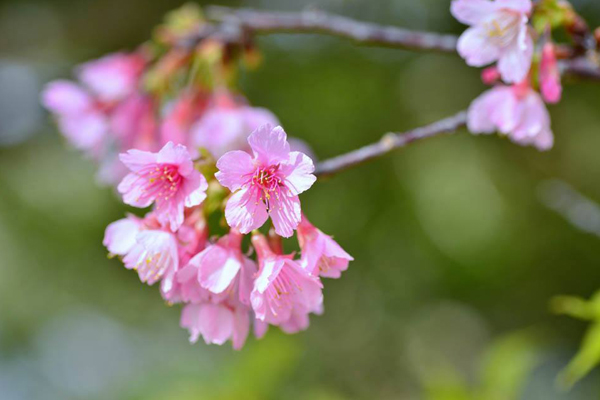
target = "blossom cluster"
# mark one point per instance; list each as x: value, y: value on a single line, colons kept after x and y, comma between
x: 204, y: 153
x: 221, y: 179
x: 223, y: 290
x: 500, y: 32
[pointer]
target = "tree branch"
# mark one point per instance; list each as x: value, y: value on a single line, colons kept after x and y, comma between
x: 388, y: 143
x: 237, y: 25
x: 314, y: 21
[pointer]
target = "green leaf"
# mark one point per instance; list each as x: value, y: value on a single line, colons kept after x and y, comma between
x: 507, y: 365
x: 586, y: 358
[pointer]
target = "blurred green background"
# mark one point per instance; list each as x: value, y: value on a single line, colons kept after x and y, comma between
x: 456, y: 257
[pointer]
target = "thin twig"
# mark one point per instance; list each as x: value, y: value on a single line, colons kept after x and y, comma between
x: 388, y: 143
x: 237, y: 25
x: 579, y: 210
x: 315, y: 21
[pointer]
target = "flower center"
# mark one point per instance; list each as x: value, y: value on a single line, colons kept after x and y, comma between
x: 268, y: 183
x: 283, y: 288
x: 502, y: 28
x: 162, y: 181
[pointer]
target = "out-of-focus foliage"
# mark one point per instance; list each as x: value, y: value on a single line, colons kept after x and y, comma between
x: 504, y: 369
x: 588, y: 355
x: 453, y: 248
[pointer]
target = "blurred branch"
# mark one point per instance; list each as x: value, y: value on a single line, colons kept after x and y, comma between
x: 315, y: 21
x: 574, y: 207
x: 582, y: 67
x: 239, y: 25
x: 389, y: 142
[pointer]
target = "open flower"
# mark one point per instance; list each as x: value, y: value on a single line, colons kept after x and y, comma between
x: 166, y: 178
x: 80, y: 118
x: 282, y: 288
x: 154, y: 256
x: 265, y: 184
x: 516, y: 111
x: 498, y: 32
x: 321, y: 255
x: 145, y: 248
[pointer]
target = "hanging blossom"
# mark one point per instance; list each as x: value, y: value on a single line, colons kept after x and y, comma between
x: 145, y: 247
x: 167, y: 178
x: 498, y: 32
x: 517, y: 111
x: 216, y: 284
x: 321, y: 255
x: 265, y: 184
x: 283, y: 291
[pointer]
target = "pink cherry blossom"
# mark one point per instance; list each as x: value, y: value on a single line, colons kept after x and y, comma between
x: 265, y: 184
x: 222, y: 269
x: 112, y: 77
x: 216, y: 323
x: 321, y: 255
x: 549, y: 75
x: 154, y: 256
x: 498, y: 32
x: 516, y: 111
x: 191, y: 239
x: 282, y: 287
x: 120, y: 236
x: 80, y: 118
x: 166, y: 178
x: 225, y: 128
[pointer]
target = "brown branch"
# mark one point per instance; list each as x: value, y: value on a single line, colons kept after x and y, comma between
x: 314, y: 21
x: 581, y: 67
x: 388, y: 143
x: 238, y: 25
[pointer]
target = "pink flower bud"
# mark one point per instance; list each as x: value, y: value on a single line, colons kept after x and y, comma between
x: 490, y: 75
x: 549, y: 75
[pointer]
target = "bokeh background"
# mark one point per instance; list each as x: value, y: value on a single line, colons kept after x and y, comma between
x: 456, y: 256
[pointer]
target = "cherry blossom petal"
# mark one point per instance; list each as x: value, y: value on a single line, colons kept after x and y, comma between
x: 218, y: 268
x: 515, y: 61
x: 65, y: 97
x: 269, y: 144
x: 241, y: 327
x: 286, y: 215
x: 216, y: 323
x: 522, y: 6
x: 298, y: 173
x: 234, y: 168
x: 120, y: 235
x: 176, y: 155
x: 471, y: 12
x: 245, y: 212
x: 476, y: 48
x: 137, y: 159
